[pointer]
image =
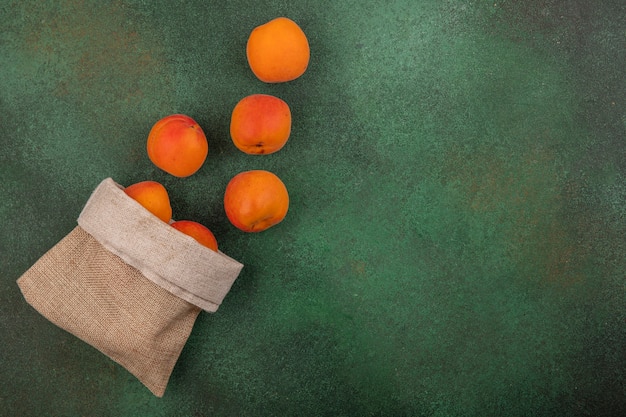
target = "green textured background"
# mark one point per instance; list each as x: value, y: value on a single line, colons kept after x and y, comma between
x: 455, y: 244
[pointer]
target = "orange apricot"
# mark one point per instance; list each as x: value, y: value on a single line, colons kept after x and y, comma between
x: 255, y: 200
x: 278, y: 51
x: 197, y: 231
x: 260, y: 124
x: 177, y: 145
x: 153, y: 197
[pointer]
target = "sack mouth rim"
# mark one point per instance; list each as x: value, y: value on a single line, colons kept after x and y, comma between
x: 169, y: 258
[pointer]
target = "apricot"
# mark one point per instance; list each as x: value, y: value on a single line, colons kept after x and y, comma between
x: 197, y: 231
x: 260, y: 124
x: 153, y: 197
x: 278, y: 51
x: 255, y: 200
x: 177, y: 145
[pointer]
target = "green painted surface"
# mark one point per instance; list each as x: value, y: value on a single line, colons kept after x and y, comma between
x: 455, y: 244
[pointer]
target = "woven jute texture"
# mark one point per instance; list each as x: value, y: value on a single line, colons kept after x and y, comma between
x: 128, y: 284
x: 85, y: 289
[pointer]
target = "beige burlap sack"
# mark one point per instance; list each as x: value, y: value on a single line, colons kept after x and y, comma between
x: 128, y: 284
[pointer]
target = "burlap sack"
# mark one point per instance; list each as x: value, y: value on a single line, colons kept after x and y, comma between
x: 128, y: 284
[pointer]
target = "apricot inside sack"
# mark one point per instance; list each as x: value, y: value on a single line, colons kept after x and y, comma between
x: 153, y: 197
